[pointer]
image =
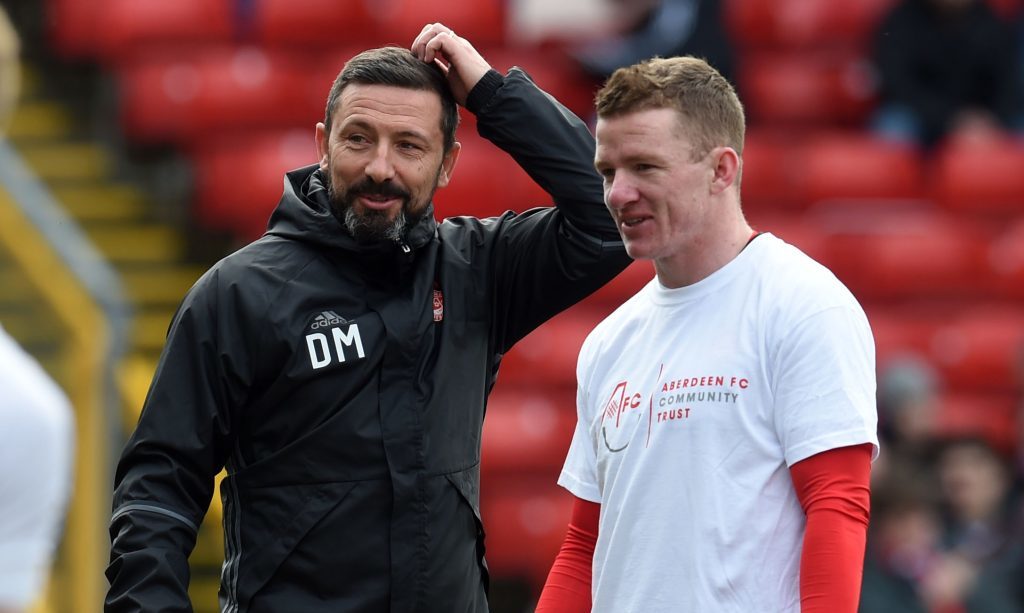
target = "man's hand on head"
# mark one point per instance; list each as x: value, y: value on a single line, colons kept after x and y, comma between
x: 459, y: 60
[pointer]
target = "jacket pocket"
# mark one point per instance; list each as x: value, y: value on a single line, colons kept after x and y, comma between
x: 264, y: 529
x: 467, y: 483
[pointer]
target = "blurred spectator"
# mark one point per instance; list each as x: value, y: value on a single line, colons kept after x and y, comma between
x: 9, y: 69
x: 662, y: 28
x: 977, y: 499
x: 36, y: 444
x: 908, y: 397
x: 946, y: 66
x: 982, y: 516
x: 36, y: 434
x: 908, y: 570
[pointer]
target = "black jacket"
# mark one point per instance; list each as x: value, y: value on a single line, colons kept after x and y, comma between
x: 344, y: 388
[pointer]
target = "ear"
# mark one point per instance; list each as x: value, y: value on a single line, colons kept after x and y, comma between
x: 322, y: 139
x: 448, y: 165
x: 726, y: 166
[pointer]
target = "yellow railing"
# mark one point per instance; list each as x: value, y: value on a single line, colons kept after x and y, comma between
x: 78, y: 585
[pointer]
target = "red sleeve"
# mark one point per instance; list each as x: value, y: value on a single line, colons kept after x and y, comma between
x: 567, y: 589
x: 834, y: 490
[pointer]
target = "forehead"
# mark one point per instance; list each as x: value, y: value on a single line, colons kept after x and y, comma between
x: 645, y: 129
x: 389, y: 107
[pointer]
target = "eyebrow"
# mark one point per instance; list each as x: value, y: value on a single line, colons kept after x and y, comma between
x: 365, y: 125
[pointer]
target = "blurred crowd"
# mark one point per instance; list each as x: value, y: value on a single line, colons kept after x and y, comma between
x: 947, y: 525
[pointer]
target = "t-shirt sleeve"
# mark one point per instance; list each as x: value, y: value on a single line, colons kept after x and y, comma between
x: 824, y: 383
x: 579, y: 474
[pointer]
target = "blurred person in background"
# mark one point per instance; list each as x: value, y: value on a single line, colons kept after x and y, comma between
x: 36, y: 433
x: 36, y: 460
x: 661, y: 28
x: 908, y: 406
x: 982, y: 514
x: 10, y: 69
x: 951, y: 549
x: 726, y: 412
x: 339, y: 366
x: 947, y: 67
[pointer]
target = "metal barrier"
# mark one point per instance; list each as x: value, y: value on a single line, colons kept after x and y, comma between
x: 82, y: 295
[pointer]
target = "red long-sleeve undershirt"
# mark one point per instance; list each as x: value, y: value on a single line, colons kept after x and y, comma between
x: 833, y: 489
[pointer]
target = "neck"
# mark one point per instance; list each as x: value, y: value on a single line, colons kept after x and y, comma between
x: 707, y: 251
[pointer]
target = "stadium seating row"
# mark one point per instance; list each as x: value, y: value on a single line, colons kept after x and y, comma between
x: 182, y: 96
x: 112, y: 30
x: 179, y: 95
x: 833, y: 176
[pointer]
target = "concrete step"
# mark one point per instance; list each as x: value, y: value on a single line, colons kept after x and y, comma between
x: 15, y: 286
x: 35, y: 120
x: 149, y: 330
x: 102, y: 202
x: 30, y: 328
x: 64, y: 161
x: 136, y: 243
x: 164, y: 286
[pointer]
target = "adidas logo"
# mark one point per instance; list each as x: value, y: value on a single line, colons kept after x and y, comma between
x: 326, y: 319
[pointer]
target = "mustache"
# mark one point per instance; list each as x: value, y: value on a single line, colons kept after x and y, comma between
x: 386, y: 189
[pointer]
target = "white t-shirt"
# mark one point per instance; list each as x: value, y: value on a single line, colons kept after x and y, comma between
x: 36, y: 451
x: 692, y: 404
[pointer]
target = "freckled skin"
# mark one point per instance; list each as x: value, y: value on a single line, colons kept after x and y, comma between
x: 672, y: 207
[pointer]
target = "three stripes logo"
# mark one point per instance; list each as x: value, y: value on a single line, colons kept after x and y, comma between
x: 327, y: 319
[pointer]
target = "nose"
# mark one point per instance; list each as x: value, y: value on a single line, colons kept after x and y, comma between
x: 619, y: 192
x: 380, y: 168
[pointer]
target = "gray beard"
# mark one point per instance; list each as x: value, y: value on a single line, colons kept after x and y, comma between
x: 373, y: 226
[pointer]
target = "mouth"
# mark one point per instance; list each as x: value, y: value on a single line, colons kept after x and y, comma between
x: 379, y: 202
x: 632, y: 221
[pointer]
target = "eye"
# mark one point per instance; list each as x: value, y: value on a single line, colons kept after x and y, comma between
x: 357, y: 139
x: 409, y: 146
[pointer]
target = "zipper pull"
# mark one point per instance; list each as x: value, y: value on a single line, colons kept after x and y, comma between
x: 405, y: 248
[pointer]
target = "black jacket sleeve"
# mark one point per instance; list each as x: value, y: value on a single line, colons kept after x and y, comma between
x: 546, y: 259
x: 165, y: 477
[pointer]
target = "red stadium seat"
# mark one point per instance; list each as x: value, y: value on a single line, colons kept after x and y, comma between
x: 547, y: 356
x: 806, y: 90
x: 486, y: 182
x: 192, y: 95
x: 771, y: 172
x: 903, y: 254
x: 976, y: 348
x: 794, y: 229
x: 981, y: 349
x: 72, y: 28
x: 481, y: 21
x: 802, y: 24
x: 553, y: 71
x: 990, y: 416
x: 900, y: 331
x: 527, y: 432
x: 525, y: 521
x: 858, y: 166
x: 981, y: 176
x: 313, y: 23
x: 618, y: 290
x: 1006, y: 261
x: 128, y: 26
x: 239, y: 179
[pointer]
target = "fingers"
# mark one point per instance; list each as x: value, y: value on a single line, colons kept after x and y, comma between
x: 458, y: 59
x: 434, y: 40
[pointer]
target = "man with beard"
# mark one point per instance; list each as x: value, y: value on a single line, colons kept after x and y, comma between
x: 339, y: 366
